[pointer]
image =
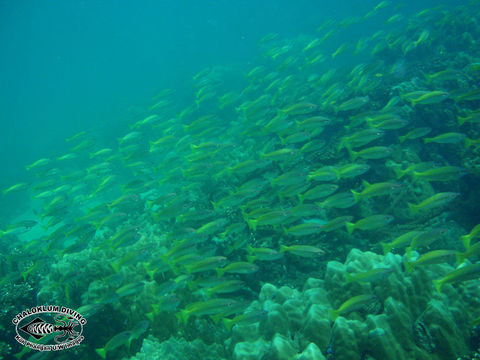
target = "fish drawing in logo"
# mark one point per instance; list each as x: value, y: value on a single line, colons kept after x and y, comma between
x: 38, y: 328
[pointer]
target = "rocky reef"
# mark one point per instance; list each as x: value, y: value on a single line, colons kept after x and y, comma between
x: 405, y: 318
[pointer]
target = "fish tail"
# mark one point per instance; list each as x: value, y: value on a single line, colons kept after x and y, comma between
x: 349, y: 278
x: 115, y: 267
x: 461, y: 120
x: 220, y: 272
x: 398, y: 172
x: 182, y: 316
x: 468, y: 142
x: 356, y: 195
x: 208, y: 293
x: 348, y: 147
x: 228, y: 323
x: 350, y: 227
x: 409, y: 266
x: 251, y: 258
x: 333, y: 314
x: 215, y: 206
x: 427, y: 77
x: 216, y: 318
x: 460, y: 257
x: 341, y: 145
x: 353, y: 154
x: 465, y: 241
x: 192, y: 285
x: 427, y: 140
x: 150, y: 316
x: 283, y: 248
x: 150, y: 273
x: 438, y: 285
x: 386, y: 247
x: 97, y: 224
x: 413, y: 208
x: 301, y: 198
x: 337, y: 173
x: 102, y: 352
x: 252, y: 224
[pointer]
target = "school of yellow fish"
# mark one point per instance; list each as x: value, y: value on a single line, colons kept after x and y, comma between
x: 318, y: 148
